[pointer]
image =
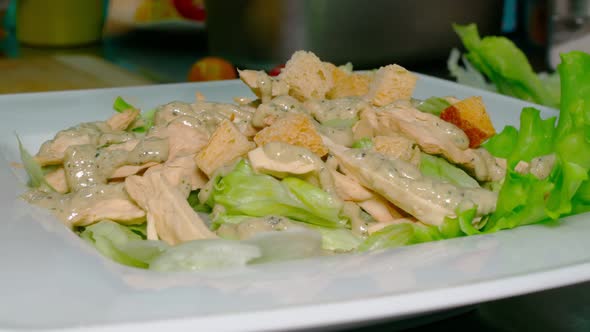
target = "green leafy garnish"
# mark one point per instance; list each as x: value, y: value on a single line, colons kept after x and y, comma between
x: 363, y: 143
x: 504, y: 64
x: 243, y: 192
x: 33, y: 169
x: 433, y: 105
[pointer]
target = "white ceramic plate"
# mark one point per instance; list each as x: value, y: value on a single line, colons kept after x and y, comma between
x: 50, y: 279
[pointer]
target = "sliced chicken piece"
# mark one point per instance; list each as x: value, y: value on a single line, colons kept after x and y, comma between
x: 92, y: 204
x: 205, y: 116
x: 184, y: 137
x: 268, y: 112
x: 435, y: 136
x: 52, y: 151
x: 399, y: 147
x: 375, y: 227
x: 348, y: 188
x: 402, y: 184
x: 182, y: 173
x: 81, y: 167
x: 168, y: 211
x: 118, y: 163
x: 127, y: 170
x: 125, y: 146
x: 281, y: 159
x: 121, y: 121
x: 116, y: 138
x: 380, y: 209
x: 57, y: 180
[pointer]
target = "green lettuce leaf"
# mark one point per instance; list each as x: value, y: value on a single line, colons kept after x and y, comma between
x: 433, y: 105
x: 441, y: 169
x: 33, y: 169
x: 205, y: 254
x: 505, y: 65
x: 120, y: 105
x: 243, y: 192
x: 363, y: 143
x: 122, y: 244
x: 524, y: 198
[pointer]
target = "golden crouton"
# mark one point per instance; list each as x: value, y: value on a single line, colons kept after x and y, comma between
x: 307, y: 76
x: 391, y: 83
x: 470, y: 115
x: 253, y: 78
x: 226, y: 144
x: 398, y: 146
x: 296, y: 129
x: 348, y: 84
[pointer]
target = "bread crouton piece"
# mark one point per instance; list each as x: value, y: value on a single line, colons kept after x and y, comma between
x: 399, y: 147
x: 255, y: 78
x: 348, y: 84
x: 296, y: 129
x: 391, y: 83
x: 470, y: 115
x: 226, y: 144
x: 307, y: 76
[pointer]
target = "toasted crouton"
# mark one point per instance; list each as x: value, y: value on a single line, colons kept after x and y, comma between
x: 391, y: 83
x: 348, y: 84
x: 399, y: 147
x: 307, y: 76
x: 226, y: 144
x: 254, y: 78
x: 296, y: 129
x: 470, y: 115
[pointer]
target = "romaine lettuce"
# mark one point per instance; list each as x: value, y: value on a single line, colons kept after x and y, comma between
x: 243, y: 192
x: 505, y: 65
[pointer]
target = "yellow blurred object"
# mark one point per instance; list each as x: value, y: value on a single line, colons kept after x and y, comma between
x: 155, y: 10
x: 211, y: 69
x: 59, y: 22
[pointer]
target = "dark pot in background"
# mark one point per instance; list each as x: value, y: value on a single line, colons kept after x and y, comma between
x: 262, y: 33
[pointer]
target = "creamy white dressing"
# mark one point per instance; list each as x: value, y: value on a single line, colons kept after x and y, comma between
x: 70, y: 208
x: 400, y: 182
x: 346, y: 108
x: 269, y: 111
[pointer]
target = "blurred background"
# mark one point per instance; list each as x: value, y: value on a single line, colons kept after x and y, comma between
x: 70, y: 44
x: 79, y: 44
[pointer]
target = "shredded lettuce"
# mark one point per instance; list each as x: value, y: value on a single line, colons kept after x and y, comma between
x: 33, y: 169
x: 243, y: 192
x: 433, y: 105
x: 147, y: 121
x: 120, y: 105
x: 338, y: 239
x: 363, y: 143
x: 505, y: 65
x: 439, y: 168
x: 403, y: 234
x: 122, y: 244
x: 205, y: 254
x: 467, y: 75
x: 286, y: 245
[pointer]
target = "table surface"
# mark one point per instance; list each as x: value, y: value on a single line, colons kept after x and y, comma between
x: 163, y: 58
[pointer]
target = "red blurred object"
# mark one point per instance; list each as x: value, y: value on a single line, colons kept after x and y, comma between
x: 211, y: 69
x: 276, y: 70
x: 191, y: 9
